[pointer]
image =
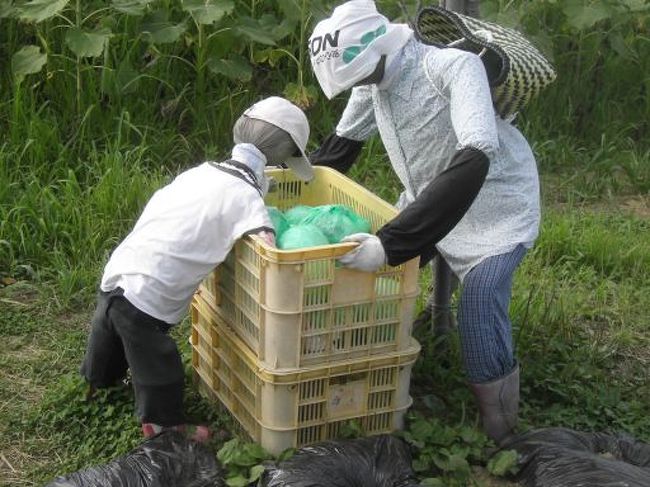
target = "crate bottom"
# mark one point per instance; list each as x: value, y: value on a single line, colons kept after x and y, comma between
x: 277, y: 440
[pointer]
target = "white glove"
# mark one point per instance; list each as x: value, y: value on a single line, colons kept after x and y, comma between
x: 268, y: 237
x: 368, y: 256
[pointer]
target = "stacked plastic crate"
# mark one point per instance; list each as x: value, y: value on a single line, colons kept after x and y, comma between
x: 295, y: 346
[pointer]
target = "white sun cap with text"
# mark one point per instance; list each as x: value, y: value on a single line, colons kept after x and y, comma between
x: 346, y: 47
x: 290, y: 118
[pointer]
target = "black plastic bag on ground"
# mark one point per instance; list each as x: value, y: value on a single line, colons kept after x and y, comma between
x: 381, y: 461
x: 560, y: 457
x: 165, y: 460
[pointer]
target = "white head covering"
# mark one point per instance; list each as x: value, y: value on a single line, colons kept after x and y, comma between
x: 346, y: 47
x: 290, y: 118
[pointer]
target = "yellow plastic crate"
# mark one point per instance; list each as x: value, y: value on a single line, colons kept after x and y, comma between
x: 300, y: 307
x: 292, y: 408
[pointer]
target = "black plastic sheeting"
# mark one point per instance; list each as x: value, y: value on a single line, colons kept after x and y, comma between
x: 560, y: 457
x: 375, y: 461
x: 165, y: 460
x: 550, y: 457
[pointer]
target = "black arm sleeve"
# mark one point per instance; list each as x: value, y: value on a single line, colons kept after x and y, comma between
x: 336, y: 152
x: 436, y: 210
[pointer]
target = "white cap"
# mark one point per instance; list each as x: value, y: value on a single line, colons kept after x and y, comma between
x: 346, y: 47
x: 287, y: 116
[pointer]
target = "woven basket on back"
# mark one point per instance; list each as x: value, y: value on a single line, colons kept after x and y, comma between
x: 516, y: 70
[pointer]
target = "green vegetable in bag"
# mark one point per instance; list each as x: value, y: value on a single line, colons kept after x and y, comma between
x: 337, y: 221
x: 296, y: 214
x: 279, y: 221
x: 301, y: 236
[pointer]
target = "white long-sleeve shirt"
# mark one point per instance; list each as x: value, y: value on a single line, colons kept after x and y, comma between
x: 186, y: 229
x: 438, y: 103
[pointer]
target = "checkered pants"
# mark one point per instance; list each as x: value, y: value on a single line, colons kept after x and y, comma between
x: 483, y: 322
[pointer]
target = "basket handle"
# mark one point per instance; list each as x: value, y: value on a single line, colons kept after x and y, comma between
x: 485, y: 34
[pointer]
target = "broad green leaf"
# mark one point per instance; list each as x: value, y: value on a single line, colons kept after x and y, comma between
x: 131, y: 7
x: 255, y: 31
x: 208, y: 11
x: 28, y: 60
x: 228, y: 451
x: 286, y: 454
x: 248, y: 455
x: 433, y: 482
x: 408, y: 437
x: 282, y: 29
x: 239, y: 454
x: 502, y: 463
x: 87, y: 43
x: 40, y: 10
x: 6, y: 9
x: 422, y: 464
x: 269, y: 55
x: 223, y: 44
x: 451, y: 463
x: 585, y: 16
x: 244, y: 459
x: 276, y: 29
x: 351, y: 429
x: 159, y: 30
x: 255, y: 473
x: 122, y: 80
x: 237, y: 481
x: 621, y: 47
x: 470, y: 435
x: 255, y: 450
x: 421, y: 429
x: 236, y: 67
x: 292, y: 9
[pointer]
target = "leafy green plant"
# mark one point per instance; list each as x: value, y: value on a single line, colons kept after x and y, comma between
x: 81, y: 427
x: 243, y: 462
x: 503, y: 463
x: 443, y: 450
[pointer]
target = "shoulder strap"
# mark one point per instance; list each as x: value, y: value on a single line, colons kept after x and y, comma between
x: 238, y: 170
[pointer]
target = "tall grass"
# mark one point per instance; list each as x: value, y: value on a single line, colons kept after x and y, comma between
x: 87, y: 139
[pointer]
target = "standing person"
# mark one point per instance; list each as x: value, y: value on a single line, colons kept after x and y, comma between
x: 186, y: 229
x: 471, y: 189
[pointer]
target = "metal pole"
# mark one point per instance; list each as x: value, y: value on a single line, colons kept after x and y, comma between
x: 466, y: 7
x: 455, y: 5
x: 442, y: 319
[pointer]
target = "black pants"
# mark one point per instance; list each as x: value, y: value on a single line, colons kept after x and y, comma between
x: 124, y: 337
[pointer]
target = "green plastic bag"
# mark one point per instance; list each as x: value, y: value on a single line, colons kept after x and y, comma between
x: 301, y: 236
x: 279, y: 221
x: 296, y: 214
x: 337, y: 221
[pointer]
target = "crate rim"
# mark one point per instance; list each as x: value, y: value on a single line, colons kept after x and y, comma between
x: 276, y: 255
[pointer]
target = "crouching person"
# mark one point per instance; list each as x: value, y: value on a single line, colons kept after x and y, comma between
x: 186, y: 229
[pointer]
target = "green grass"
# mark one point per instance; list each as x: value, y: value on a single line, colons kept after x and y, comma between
x: 579, y: 307
x: 87, y: 141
